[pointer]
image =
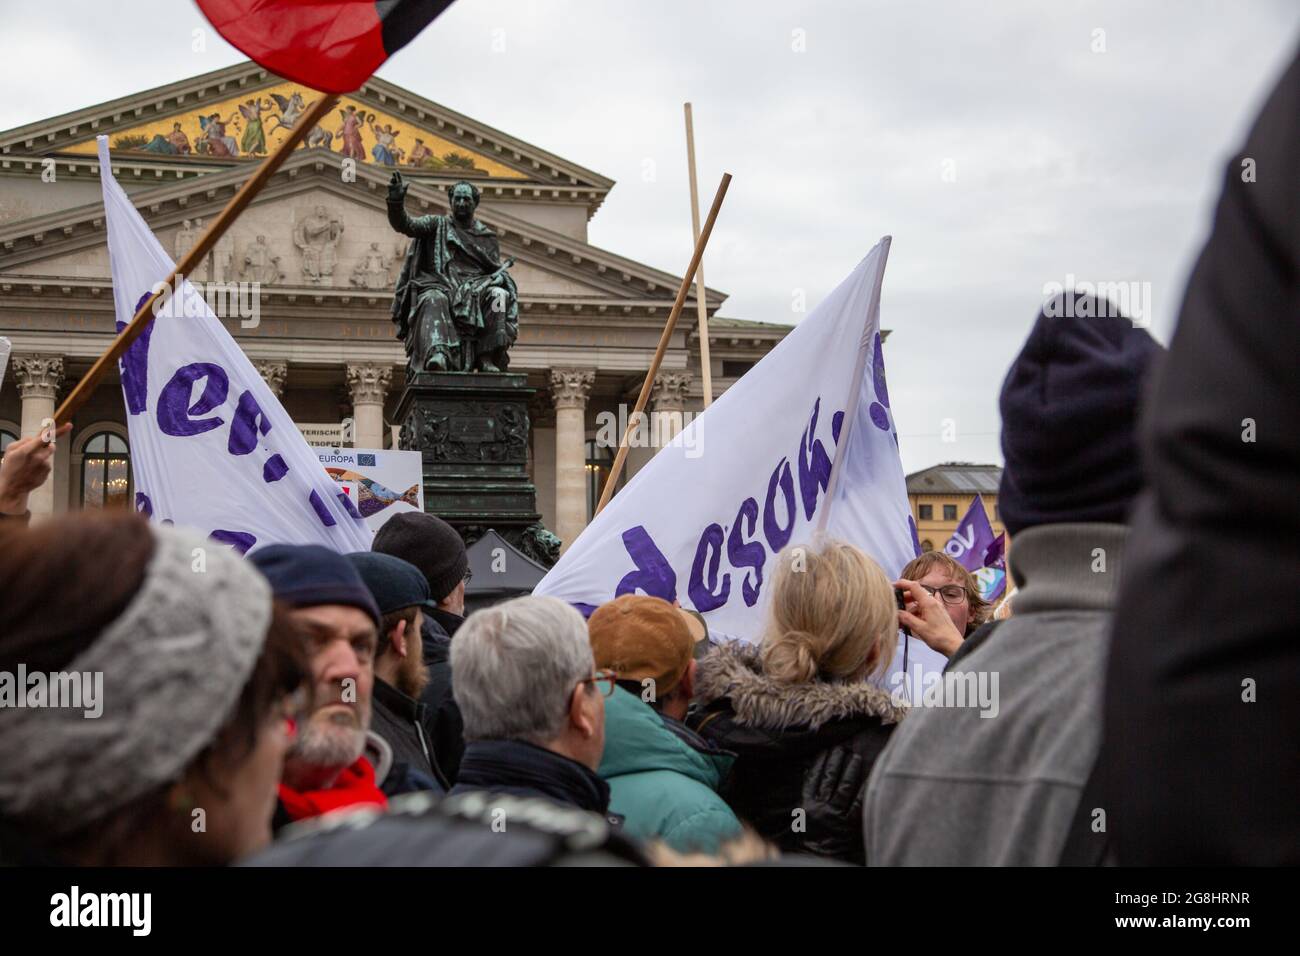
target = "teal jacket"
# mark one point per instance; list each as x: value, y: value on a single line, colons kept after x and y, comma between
x: 664, y: 778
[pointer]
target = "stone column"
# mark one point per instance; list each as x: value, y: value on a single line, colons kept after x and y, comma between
x: 667, y: 404
x: 273, y: 373
x: 368, y: 384
x: 569, y: 390
x: 541, y: 415
x: 38, y: 378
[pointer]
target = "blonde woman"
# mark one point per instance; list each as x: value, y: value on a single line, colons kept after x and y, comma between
x: 798, y: 711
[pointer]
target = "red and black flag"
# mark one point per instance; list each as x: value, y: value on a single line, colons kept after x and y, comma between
x: 330, y: 45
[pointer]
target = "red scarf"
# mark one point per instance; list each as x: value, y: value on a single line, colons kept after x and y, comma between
x: 355, y: 786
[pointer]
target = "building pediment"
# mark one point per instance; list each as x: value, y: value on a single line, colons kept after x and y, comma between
x: 233, y: 116
x: 551, y: 267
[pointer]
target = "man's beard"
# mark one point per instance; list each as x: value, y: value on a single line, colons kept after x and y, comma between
x: 412, y: 677
x: 324, y: 743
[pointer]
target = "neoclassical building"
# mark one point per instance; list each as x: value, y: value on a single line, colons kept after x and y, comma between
x: 318, y: 242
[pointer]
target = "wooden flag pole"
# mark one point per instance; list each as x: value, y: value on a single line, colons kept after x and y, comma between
x: 648, y: 384
x: 215, y: 230
x: 701, y: 304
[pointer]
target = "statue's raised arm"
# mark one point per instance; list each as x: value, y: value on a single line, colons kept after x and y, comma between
x: 398, y: 217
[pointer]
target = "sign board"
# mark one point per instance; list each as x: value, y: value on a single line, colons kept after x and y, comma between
x: 380, y: 482
x: 327, y: 434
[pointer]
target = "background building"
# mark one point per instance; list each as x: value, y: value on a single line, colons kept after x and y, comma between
x: 940, y: 495
x: 318, y: 242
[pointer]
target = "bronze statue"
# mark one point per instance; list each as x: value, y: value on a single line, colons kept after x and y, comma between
x: 456, y: 306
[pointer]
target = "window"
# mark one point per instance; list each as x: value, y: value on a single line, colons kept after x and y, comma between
x: 732, y: 368
x: 7, y: 438
x: 927, y: 512
x: 600, y: 460
x: 106, y: 472
x: 949, y: 512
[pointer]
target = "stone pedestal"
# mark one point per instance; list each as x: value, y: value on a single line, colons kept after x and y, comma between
x: 472, y: 430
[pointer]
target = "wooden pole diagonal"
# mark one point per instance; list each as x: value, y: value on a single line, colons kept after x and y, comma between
x: 701, y: 302
x: 646, y: 386
x: 216, y: 229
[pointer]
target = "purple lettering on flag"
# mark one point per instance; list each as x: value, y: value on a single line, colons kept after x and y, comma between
x: 241, y: 541
x: 249, y: 420
x: 744, y: 554
x: 653, y: 574
x: 878, y: 373
x: 143, y: 505
x: 322, y: 512
x: 702, y: 591
x: 776, y: 535
x: 814, y: 465
x: 274, y: 469
x: 348, y: 506
x: 174, y: 417
x: 135, y: 366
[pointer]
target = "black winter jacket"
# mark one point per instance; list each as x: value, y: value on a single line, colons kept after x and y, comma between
x: 426, y: 830
x: 443, y: 727
x: 516, y: 768
x: 803, y: 751
x: 1201, y: 759
x: 400, y: 719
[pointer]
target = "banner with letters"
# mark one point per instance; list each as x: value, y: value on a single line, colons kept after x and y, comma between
x: 211, y: 446
x: 804, y: 441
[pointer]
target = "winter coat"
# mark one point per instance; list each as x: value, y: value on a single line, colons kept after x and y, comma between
x: 663, y: 777
x: 1201, y: 761
x: 991, y: 772
x: 516, y: 768
x: 422, y: 829
x: 803, y: 751
x: 443, y: 728
x: 400, y: 720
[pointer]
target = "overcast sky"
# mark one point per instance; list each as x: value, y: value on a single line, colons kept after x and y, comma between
x: 989, y: 139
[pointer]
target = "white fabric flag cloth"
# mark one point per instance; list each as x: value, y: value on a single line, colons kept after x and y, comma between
x: 211, y: 446
x: 803, y: 442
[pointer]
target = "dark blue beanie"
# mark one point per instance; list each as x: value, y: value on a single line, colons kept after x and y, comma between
x: 395, y: 584
x: 303, y: 575
x: 1069, y: 414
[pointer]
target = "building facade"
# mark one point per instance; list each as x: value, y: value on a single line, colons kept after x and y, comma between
x: 316, y: 240
x: 940, y: 496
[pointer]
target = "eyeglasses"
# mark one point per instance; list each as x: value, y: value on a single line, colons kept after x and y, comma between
x: 468, y: 575
x: 604, y: 681
x: 950, y: 593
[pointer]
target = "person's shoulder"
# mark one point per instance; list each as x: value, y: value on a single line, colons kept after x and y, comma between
x: 425, y: 829
x: 1043, y: 643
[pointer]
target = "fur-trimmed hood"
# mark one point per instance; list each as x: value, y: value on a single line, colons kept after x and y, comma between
x: 735, y: 671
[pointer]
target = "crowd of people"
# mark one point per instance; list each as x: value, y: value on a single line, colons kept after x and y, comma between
x: 306, y: 707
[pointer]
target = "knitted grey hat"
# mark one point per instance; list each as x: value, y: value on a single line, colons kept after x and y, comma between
x: 165, y: 677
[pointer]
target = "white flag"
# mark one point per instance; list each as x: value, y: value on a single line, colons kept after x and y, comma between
x: 211, y: 446
x: 805, y: 441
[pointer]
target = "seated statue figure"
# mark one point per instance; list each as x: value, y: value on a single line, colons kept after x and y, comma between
x: 455, y: 305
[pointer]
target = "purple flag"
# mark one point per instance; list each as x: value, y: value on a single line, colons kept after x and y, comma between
x: 992, y: 578
x: 996, y: 555
x: 972, y: 539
